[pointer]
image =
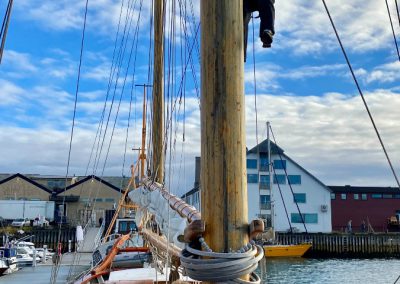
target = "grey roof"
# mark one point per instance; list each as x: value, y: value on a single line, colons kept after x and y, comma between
x: 27, y: 180
x: 89, y: 178
x: 263, y: 148
x: 363, y: 189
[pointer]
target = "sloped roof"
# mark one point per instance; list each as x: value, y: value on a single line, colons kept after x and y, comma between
x: 190, y: 192
x: 310, y: 174
x: 89, y: 178
x: 363, y: 189
x: 275, y: 149
x: 263, y: 148
x: 18, y: 175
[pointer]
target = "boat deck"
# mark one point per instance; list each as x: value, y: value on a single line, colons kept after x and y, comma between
x: 42, y: 272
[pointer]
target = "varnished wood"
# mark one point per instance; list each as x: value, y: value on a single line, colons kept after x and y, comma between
x: 223, y: 171
x: 142, y: 150
x: 256, y: 228
x: 177, y: 204
x: 193, y: 231
x: 158, y: 94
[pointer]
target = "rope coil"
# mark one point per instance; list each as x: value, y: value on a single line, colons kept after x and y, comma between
x: 222, y: 267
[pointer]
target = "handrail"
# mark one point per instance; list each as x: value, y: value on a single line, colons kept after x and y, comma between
x: 97, y: 239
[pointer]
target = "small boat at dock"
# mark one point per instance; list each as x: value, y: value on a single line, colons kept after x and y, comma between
x: 286, y: 250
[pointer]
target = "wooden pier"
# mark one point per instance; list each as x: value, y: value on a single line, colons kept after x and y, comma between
x: 346, y: 245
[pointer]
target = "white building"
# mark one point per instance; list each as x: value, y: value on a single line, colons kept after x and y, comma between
x: 291, y: 183
x: 293, y: 187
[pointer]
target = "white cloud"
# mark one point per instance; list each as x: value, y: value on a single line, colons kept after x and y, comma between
x: 17, y: 61
x: 9, y: 93
x: 330, y: 136
x: 389, y: 72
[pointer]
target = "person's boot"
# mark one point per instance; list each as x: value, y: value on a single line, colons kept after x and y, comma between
x: 267, y: 38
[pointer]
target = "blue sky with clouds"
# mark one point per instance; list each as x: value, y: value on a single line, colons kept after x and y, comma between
x: 303, y: 84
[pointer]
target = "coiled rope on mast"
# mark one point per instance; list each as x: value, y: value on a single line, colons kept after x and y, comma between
x: 222, y: 267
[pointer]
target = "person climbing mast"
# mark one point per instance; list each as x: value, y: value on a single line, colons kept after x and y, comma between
x: 266, y: 12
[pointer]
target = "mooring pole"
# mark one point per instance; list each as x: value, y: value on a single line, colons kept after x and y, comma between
x: 223, y: 149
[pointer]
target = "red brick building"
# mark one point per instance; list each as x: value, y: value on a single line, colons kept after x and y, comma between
x: 370, y: 204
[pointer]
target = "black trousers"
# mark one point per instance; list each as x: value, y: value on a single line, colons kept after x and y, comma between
x: 266, y: 11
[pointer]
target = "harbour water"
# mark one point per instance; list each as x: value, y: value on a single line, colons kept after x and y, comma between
x: 330, y: 271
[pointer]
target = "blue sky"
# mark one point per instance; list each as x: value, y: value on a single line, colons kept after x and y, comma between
x: 303, y: 84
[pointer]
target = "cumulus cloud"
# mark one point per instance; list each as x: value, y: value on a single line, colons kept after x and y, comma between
x: 329, y: 133
x: 332, y: 134
x: 9, y: 93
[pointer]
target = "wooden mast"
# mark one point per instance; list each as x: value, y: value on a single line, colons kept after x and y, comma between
x: 158, y: 94
x: 223, y: 150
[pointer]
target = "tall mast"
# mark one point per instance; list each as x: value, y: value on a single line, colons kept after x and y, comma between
x: 270, y: 174
x: 223, y: 149
x: 158, y: 93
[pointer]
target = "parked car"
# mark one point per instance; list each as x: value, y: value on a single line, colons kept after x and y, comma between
x: 40, y: 223
x: 21, y: 222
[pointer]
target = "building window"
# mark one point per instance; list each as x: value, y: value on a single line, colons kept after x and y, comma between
x: 299, y: 197
x: 35, y: 199
x: 265, y: 202
x: 267, y: 220
x: 343, y: 196
x: 356, y: 196
x: 294, y: 179
x: 252, y: 178
x: 251, y: 163
x: 309, y: 218
x: 376, y: 196
x: 387, y: 196
x: 98, y: 199
x: 333, y: 196
x: 397, y: 196
x: 279, y: 164
x: 56, y: 184
x: 109, y: 200
x: 264, y: 162
x: 279, y: 179
x: 264, y: 181
x: 195, y: 198
x: 363, y: 196
x: 84, y: 199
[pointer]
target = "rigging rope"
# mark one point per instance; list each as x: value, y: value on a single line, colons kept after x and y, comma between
x: 4, y: 27
x: 55, y: 268
x: 135, y: 40
x: 284, y: 204
x: 361, y: 93
x: 290, y: 186
x: 391, y: 24
x: 255, y: 105
x: 398, y: 12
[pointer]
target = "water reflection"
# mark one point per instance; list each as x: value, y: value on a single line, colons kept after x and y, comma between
x: 343, y: 271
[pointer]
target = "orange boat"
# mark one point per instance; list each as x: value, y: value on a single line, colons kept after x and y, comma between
x: 286, y: 250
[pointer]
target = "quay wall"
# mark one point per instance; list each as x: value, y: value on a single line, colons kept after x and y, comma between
x: 346, y: 245
x: 49, y: 237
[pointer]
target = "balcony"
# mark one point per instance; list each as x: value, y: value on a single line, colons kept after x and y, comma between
x: 265, y: 206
